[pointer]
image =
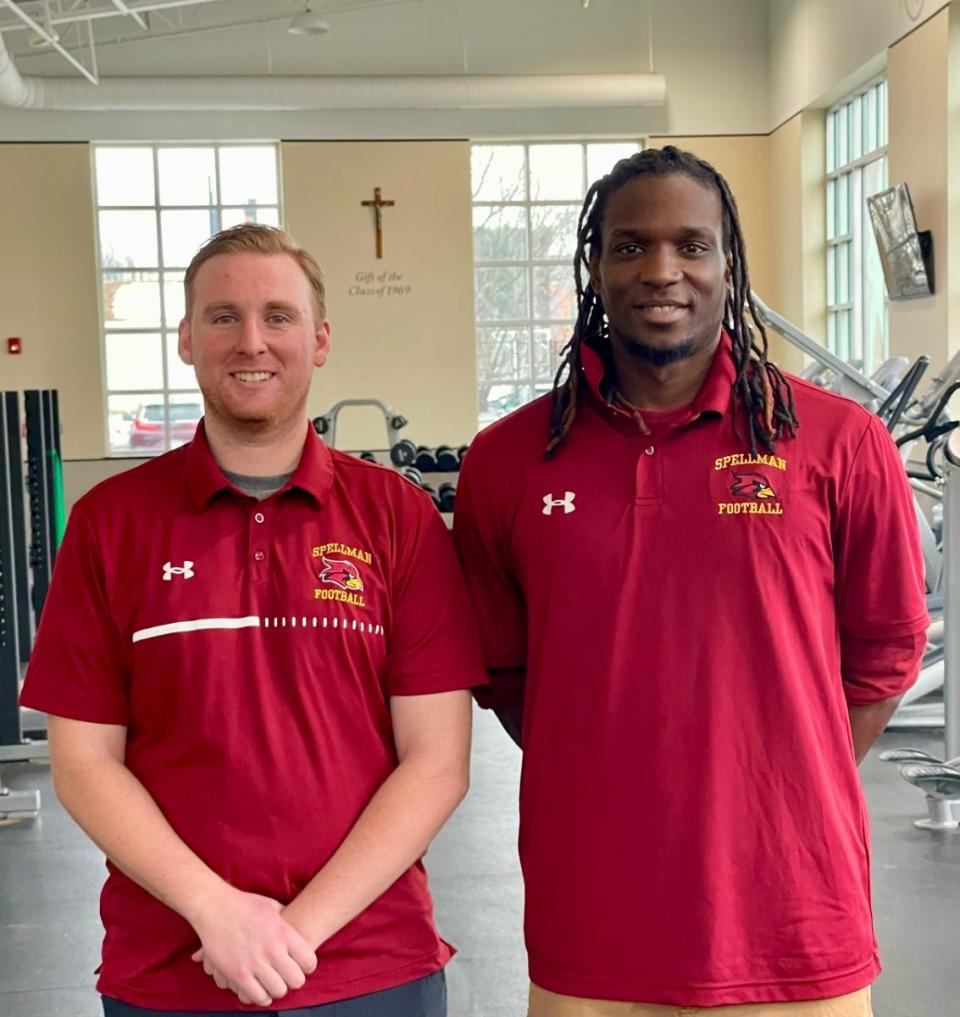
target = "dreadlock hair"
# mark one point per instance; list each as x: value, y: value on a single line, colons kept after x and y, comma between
x: 760, y: 390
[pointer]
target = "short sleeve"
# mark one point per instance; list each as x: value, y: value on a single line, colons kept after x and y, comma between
x: 877, y: 669
x: 498, y: 601
x: 77, y: 668
x: 880, y: 587
x: 433, y: 641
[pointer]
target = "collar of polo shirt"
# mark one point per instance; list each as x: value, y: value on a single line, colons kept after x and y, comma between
x: 313, y: 475
x: 715, y: 395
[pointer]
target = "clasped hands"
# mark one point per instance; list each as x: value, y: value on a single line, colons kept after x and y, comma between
x: 249, y: 948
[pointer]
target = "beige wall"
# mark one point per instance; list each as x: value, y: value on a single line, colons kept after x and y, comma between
x: 798, y: 225
x: 917, y: 76
x: 48, y: 286
x: 820, y: 49
x: 414, y: 350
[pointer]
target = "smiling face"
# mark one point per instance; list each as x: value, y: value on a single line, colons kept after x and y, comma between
x: 662, y: 274
x: 253, y: 339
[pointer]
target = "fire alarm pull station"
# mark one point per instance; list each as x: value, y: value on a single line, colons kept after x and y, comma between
x: 14, y: 345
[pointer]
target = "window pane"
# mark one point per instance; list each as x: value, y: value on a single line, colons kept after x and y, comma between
x: 499, y: 233
x: 184, y: 413
x: 870, y: 136
x: 267, y: 215
x: 831, y: 276
x: 553, y: 231
x: 547, y: 344
x: 856, y: 128
x: 503, y: 353
x: 248, y: 175
x: 130, y: 432
x: 603, y: 157
x: 554, y: 293
x: 497, y: 172
x: 832, y: 142
x: 832, y: 331
x: 124, y: 176
x: 843, y: 115
x: 502, y: 294
x: 173, y: 298
x: 183, y: 232
x: 843, y: 334
x: 831, y: 209
x: 128, y: 239
x: 843, y: 273
x: 131, y: 300
x: 187, y: 176
x: 882, y: 112
x: 494, y: 401
x: 134, y: 361
x: 556, y: 172
x: 843, y: 205
x: 179, y: 374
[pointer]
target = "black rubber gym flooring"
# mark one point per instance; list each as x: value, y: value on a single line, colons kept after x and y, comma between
x: 50, y: 876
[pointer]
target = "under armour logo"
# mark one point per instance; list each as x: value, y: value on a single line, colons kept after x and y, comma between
x: 170, y: 570
x: 566, y: 503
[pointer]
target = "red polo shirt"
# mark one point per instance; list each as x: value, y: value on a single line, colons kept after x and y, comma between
x: 693, y: 831
x: 251, y: 649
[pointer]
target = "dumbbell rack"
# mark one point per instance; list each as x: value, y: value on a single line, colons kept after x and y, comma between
x: 326, y: 423
x: 24, y: 577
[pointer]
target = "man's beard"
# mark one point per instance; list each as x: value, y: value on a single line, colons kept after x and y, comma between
x: 659, y: 356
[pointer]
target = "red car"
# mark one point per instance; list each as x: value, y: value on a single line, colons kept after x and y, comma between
x: 146, y: 429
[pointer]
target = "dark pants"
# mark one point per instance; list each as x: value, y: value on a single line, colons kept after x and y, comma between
x: 426, y: 997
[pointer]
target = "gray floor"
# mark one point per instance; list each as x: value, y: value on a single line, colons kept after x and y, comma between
x: 50, y: 876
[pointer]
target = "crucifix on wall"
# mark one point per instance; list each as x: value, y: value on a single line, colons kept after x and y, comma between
x: 378, y: 204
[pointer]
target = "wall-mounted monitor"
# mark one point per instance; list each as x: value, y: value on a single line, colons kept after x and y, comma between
x: 904, y: 253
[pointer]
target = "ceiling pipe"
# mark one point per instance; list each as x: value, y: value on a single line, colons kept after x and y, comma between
x: 271, y: 94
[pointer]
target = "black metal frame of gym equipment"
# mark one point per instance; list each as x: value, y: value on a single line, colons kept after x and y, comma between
x: 24, y: 577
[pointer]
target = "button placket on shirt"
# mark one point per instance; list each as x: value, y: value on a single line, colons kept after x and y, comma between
x: 258, y: 535
x: 649, y: 473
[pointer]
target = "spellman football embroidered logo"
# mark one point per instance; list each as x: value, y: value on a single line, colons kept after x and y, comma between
x: 752, y: 491
x: 338, y: 566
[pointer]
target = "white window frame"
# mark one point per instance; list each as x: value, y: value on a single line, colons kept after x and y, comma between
x: 847, y: 336
x: 531, y: 322
x: 164, y: 328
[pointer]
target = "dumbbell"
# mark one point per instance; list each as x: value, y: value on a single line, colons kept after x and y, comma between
x: 447, y: 461
x: 446, y: 497
x: 413, y: 475
x: 404, y: 453
x: 426, y: 462
x: 433, y: 495
x: 461, y: 452
x: 368, y: 457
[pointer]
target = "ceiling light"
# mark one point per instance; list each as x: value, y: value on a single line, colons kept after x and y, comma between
x: 308, y: 23
x: 36, y: 41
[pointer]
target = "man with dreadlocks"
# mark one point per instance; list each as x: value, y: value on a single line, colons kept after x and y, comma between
x: 689, y: 630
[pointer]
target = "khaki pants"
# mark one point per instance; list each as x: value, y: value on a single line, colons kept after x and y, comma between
x: 549, y: 1004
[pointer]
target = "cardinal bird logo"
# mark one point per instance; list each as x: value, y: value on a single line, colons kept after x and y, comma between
x: 343, y: 574
x: 752, y: 485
